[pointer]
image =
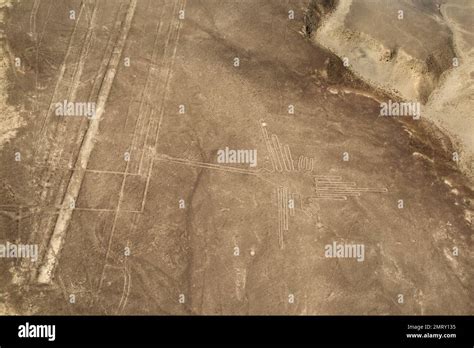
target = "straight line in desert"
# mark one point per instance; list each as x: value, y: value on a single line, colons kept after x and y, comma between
x: 57, y: 239
x: 58, y: 82
x: 95, y: 89
x: 162, y: 106
x: 54, y: 153
x: 77, y: 74
x: 133, y: 146
x: 206, y: 165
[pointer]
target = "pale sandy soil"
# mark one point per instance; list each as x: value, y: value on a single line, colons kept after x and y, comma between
x: 447, y: 98
x: 450, y: 106
x: 366, y: 54
x: 134, y: 203
x: 10, y: 119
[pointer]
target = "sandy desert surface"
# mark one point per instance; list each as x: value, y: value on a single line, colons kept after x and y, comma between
x: 223, y: 157
x: 423, y: 53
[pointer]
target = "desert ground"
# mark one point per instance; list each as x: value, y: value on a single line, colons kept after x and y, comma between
x: 133, y: 212
x: 423, y: 53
